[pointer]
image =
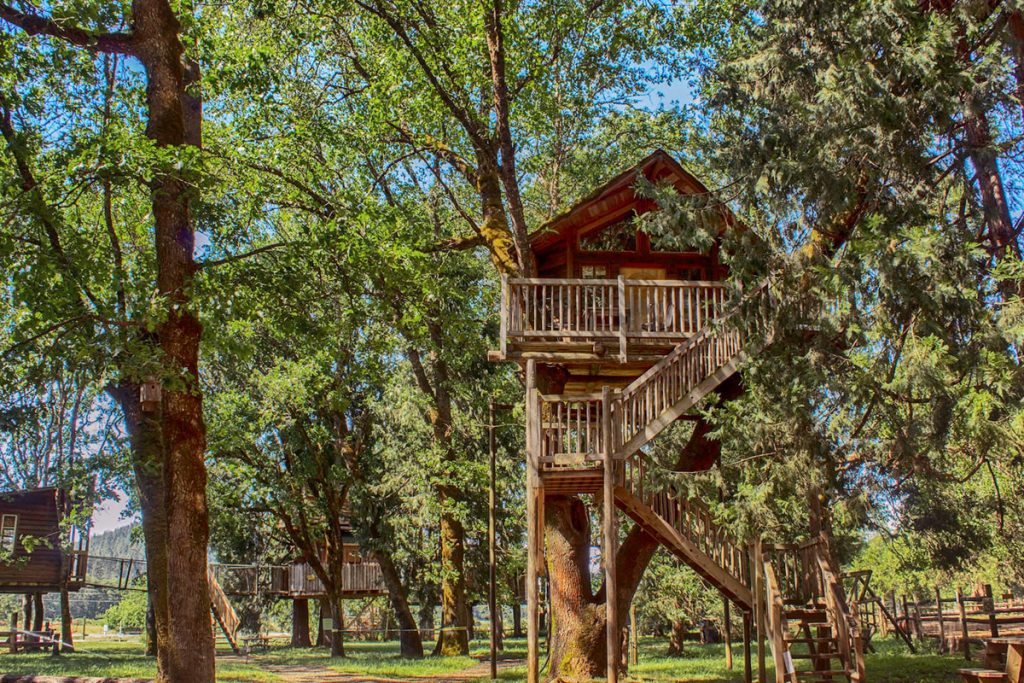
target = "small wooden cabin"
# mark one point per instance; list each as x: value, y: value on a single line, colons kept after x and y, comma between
x: 610, y: 300
x: 33, y: 555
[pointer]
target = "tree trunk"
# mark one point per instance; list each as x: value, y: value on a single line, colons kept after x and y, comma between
x: 67, y: 636
x: 676, y: 638
x: 38, y: 615
x: 578, y: 646
x: 337, y: 606
x: 26, y: 613
x: 408, y: 635
x: 454, y: 638
x: 151, y: 648
x: 578, y: 635
x: 145, y: 436
x: 517, y: 619
x: 321, y: 637
x: 300, y: 623
x: 175, y: 123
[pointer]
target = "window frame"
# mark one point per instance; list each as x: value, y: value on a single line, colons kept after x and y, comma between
x: 12, y: 535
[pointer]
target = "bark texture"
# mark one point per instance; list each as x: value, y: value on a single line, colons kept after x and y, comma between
x: 300, y: 623
x: 408, y: 635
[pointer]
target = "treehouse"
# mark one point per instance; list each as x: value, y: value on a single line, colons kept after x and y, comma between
x: 612, y: 299
x: 623, y: 332
x: 38, y: 552
x: 361, y: 577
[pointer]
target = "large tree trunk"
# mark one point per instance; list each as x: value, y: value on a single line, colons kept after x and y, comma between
x: 408, y: 635
x: 147, y: 453
x: 38, y: 615
x: 174, y: 122
x: 300, y: 623
x: 453, y: 639
x: 578, y: 615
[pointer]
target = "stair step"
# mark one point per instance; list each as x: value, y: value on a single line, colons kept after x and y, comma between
x: 802, y: 639
x: 822, y: 674
x: 808, y: 655
x: 816, y: 616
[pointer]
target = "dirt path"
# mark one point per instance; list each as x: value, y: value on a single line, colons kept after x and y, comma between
x: 307, y: 673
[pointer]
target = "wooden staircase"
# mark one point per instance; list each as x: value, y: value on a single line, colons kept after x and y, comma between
x: 223, y: 613
x: 590, y: 443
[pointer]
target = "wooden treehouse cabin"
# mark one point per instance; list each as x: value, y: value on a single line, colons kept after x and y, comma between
x: 361, y: 577
x: 38, y: 552
x: 620, y: 336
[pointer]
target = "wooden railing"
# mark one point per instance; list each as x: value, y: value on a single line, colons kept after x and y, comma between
x: 76, y: 565
x: 570, y: 433
x: 683, y: 370
x: 843, y: 614
x: 773, y: 599
x: 796, y: 567
x: 223, y: 611
x: 619, y: 310
x: 691, y: 518
x: 300, y: 579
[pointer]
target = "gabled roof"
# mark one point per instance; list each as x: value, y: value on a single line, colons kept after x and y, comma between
x: 615, y: 194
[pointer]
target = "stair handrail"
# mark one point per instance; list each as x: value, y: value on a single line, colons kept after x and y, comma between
x: 773, y: 599
x: 844, y: 616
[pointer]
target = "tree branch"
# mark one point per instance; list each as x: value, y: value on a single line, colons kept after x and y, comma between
x: 239, y: 257
x: 33, y: 24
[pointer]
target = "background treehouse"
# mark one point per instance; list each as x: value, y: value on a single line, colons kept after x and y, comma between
x: 37, y: 554
x: 620, y: 337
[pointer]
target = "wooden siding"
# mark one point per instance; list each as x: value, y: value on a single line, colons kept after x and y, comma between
x: 38, y: 517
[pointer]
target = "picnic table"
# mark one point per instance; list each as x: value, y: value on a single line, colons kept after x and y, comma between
x: 1012, y: 648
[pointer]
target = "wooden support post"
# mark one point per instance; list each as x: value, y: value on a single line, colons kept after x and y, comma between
x: 504, y: 313
x: 906, y: 616
x: 634, y: 645
x: 610, y: 543
x: 965, y: 641
x: 532, y: 523
x: 748, y: 673
x: 760, y: 613
x: 918, y: 625
x: 938, y: 616
x: 622, y: 319
x: 12, y: 642
x: 990, y: 607
x: 727, y: 632
x: 492, y: 564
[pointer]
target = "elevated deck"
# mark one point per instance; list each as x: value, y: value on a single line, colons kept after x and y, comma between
x: 605, y: 332
x: 298, y: 580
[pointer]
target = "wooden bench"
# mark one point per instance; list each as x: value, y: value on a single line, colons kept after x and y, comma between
x: 982, y: 676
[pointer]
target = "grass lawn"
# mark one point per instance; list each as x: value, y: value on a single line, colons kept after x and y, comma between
x: 893, y: 663
x: 119, y: 659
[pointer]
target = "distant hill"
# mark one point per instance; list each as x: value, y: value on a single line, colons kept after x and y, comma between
x: 124, y: 541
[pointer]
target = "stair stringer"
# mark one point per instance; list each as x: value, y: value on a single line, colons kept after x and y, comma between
x: 223, y: 612
x: 682, y: 406
x: 682, y: 548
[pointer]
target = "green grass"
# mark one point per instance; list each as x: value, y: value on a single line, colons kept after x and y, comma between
x: 117, y: 659
x: 893, y: 663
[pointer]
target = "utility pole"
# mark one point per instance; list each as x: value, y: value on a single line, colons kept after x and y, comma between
x: 492, y: 588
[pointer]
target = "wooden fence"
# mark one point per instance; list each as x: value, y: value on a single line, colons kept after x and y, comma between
x: 954, y: 618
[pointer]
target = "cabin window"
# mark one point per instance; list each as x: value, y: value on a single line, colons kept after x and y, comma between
x: 8, y: 532
x: 594, y: 272
x: 619, y: 236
